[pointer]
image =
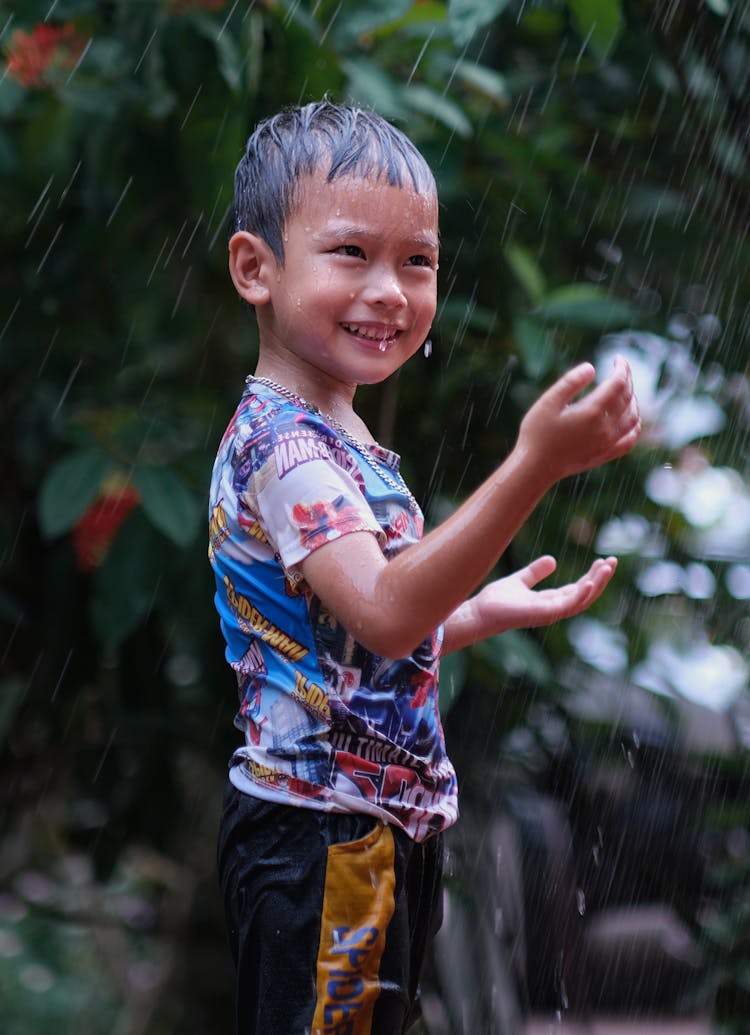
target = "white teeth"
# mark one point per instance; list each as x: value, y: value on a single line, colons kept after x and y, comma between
x: 382, y: 338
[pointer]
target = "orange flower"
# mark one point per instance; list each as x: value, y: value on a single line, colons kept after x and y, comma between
x: 97, y: 527
x: 31, y: 54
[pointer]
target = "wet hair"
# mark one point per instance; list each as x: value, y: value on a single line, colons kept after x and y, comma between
x: 335, y: 139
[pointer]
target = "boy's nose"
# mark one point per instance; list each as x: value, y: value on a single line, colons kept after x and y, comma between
x: 385, y: 290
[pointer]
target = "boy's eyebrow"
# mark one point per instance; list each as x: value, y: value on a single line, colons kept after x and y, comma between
x: 345, y: 230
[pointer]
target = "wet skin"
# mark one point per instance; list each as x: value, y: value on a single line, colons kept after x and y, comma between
x: 352, y: 301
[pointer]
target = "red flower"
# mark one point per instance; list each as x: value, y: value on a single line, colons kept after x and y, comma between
x: 97, y: 527
x: 31, y: 54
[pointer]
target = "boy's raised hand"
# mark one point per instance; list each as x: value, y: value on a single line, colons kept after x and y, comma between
x: 568, y: 435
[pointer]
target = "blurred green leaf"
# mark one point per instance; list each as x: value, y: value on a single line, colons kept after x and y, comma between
x: 69, y: 8
x: 543, y: 21
x: 419, y: 16
x: 464, y: 312
x: 467, y: 17
x: 535, y: 346
x: 48, y: 142
x: 645, y: 201
x: 92, y: 98
x: 168, y: 503
x: 453, y: 669
x: 443, y: 110
x: 514, y: 653
x: 483, y: 79
x: 370, y: 85
x: 125, y: 584
x: 107, y: 55
x: 355, y: 20
x: 526, y: 269
x: 12, y: 95
x: 599, y: 21
x: 8, y: 154
x: 230, y: 60
x: 585, y: 305
x: 730, y: 152
x: 69, y: 487
x: 297, y: 15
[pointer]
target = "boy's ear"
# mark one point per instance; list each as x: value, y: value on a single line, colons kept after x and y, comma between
x: 251, y: 265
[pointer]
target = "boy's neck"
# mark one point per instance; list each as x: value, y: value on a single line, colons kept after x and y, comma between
x: 331, y: 397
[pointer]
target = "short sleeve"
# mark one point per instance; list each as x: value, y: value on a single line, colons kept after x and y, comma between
x: 306, y: 489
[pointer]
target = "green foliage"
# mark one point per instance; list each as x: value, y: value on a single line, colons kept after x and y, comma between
x: 584, y: 305
x: 467, y: 17
x: 168, y: 503
x: 69, y: 487
x: 59, y: 931
x: 599, y: 23
x: 593, y: 168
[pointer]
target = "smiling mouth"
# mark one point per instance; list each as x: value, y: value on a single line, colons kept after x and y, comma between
x: 381, y: 336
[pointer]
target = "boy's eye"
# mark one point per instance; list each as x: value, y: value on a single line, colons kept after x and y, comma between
x: 352, y: 250
x: 421, y: 260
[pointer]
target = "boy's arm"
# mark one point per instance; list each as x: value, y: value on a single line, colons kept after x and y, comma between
x: 391, y: 606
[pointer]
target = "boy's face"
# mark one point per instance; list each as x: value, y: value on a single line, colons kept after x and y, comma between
x: 356, y: 295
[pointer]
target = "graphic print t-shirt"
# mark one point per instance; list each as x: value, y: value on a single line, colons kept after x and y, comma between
x: 327, y: 724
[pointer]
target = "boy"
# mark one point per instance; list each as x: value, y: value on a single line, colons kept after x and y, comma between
x: 334, y: 608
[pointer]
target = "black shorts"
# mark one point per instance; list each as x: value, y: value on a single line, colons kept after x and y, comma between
x: 329, y: 916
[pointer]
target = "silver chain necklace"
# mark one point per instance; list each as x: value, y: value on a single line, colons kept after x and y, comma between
x: 380, y: 470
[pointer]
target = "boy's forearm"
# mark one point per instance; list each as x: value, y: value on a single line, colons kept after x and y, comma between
x: 564, y: 433
x: 435, y: 576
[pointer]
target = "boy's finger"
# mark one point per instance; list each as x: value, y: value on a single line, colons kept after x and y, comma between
x: 624, y: 443
x: 600, y: 574
x: 538, y: 569
x: 564, y: 390
x: 615, y: 393
x: 593, y: 582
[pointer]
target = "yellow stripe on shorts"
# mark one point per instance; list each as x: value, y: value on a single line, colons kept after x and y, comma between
x: 358, y: 903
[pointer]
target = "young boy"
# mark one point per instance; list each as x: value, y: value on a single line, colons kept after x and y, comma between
x: 334, y: 608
